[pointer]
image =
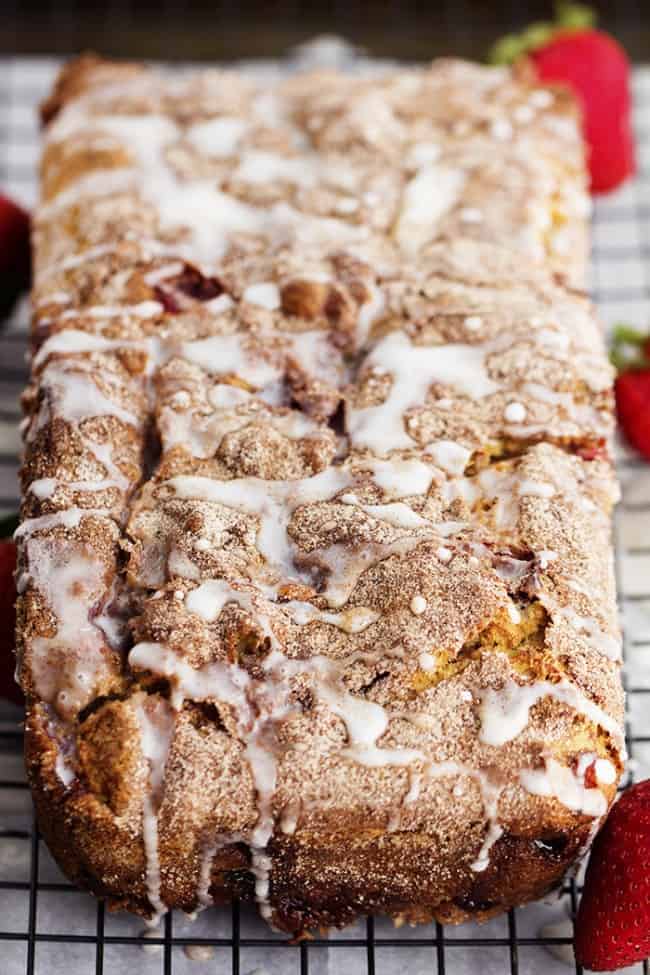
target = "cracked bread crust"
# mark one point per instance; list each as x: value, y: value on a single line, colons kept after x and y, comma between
x: 316, y: 593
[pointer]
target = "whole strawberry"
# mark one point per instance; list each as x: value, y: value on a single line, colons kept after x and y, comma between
x: 612, y: 928
x: 15, y: 257
x: 596, y: 68
x: 631, y: 356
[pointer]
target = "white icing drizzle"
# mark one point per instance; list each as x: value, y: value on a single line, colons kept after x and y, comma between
x: 223, y: 354
x: 273, y: 502
x: 209, y: 218
x: 370, y: 312
x: 74, y: 396
x: 413, y: 370
x: 354, y: 619
x: 53, y: 298
x: 217, y: 136
x: 73, y: 261
x: 202, y: 433
x: 66, y: 666
x: 429, y: 195
x: 505, y: 712
x: 143, y: 309
x: 535, y: 489
x: 69, y: 518
x: 289, y: 818
x: 77, y: 396
x: 256, y: 166
x: 605, y: 771
x: 259, y: 706
x: 43, y: 487
x: 449, y: 456
x: 65, y: 773
x: 401, y: 478
x: 541, y: 98
x: 103, y: 452
x: 346, y: 565
x: 74, y: 341
x: 210, y: 850
x: 395, y: 513
x: 490, y: 794
x: 504, y: 488
x: 163, y: 273
x: 266, y: 295
x: 208, y: 215
x: 209, y: 598
x: 65, y: 753
x: 566, y: 785
x: 156, y: 723
x: 545, y: 556
x: 422, y: 153
x: 596, y: 637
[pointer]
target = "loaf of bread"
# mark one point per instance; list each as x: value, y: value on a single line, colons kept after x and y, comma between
x: 316, y: 594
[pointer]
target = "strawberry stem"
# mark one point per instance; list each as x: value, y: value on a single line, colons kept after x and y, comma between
x: 629, y: 348
x: 568, y: 17
x: 574, y: 16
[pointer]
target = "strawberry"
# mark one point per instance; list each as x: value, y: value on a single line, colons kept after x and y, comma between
x: 15, y: 256
x: 633, y: 408
x: 612, y: 929
x: 597, y: 70
x: 631, y: 355
x: 596, y: 67
x: 8, y: 686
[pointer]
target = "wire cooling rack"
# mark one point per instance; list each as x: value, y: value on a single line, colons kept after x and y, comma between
x: 47, y: 927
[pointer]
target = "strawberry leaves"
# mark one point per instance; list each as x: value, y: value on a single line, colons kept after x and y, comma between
x: 569, y: 16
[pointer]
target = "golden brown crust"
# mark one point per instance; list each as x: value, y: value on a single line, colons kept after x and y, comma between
x: 316, y: 597
x: 78, y: 76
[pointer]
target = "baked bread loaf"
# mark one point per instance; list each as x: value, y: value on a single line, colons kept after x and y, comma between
x: 316, y: 592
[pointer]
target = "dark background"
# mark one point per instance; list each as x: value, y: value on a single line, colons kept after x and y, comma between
x: 226, y: 29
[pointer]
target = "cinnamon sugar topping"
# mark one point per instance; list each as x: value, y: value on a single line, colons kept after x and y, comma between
x: 315, y: 577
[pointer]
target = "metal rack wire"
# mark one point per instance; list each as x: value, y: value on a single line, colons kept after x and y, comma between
x: 621, y: 286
